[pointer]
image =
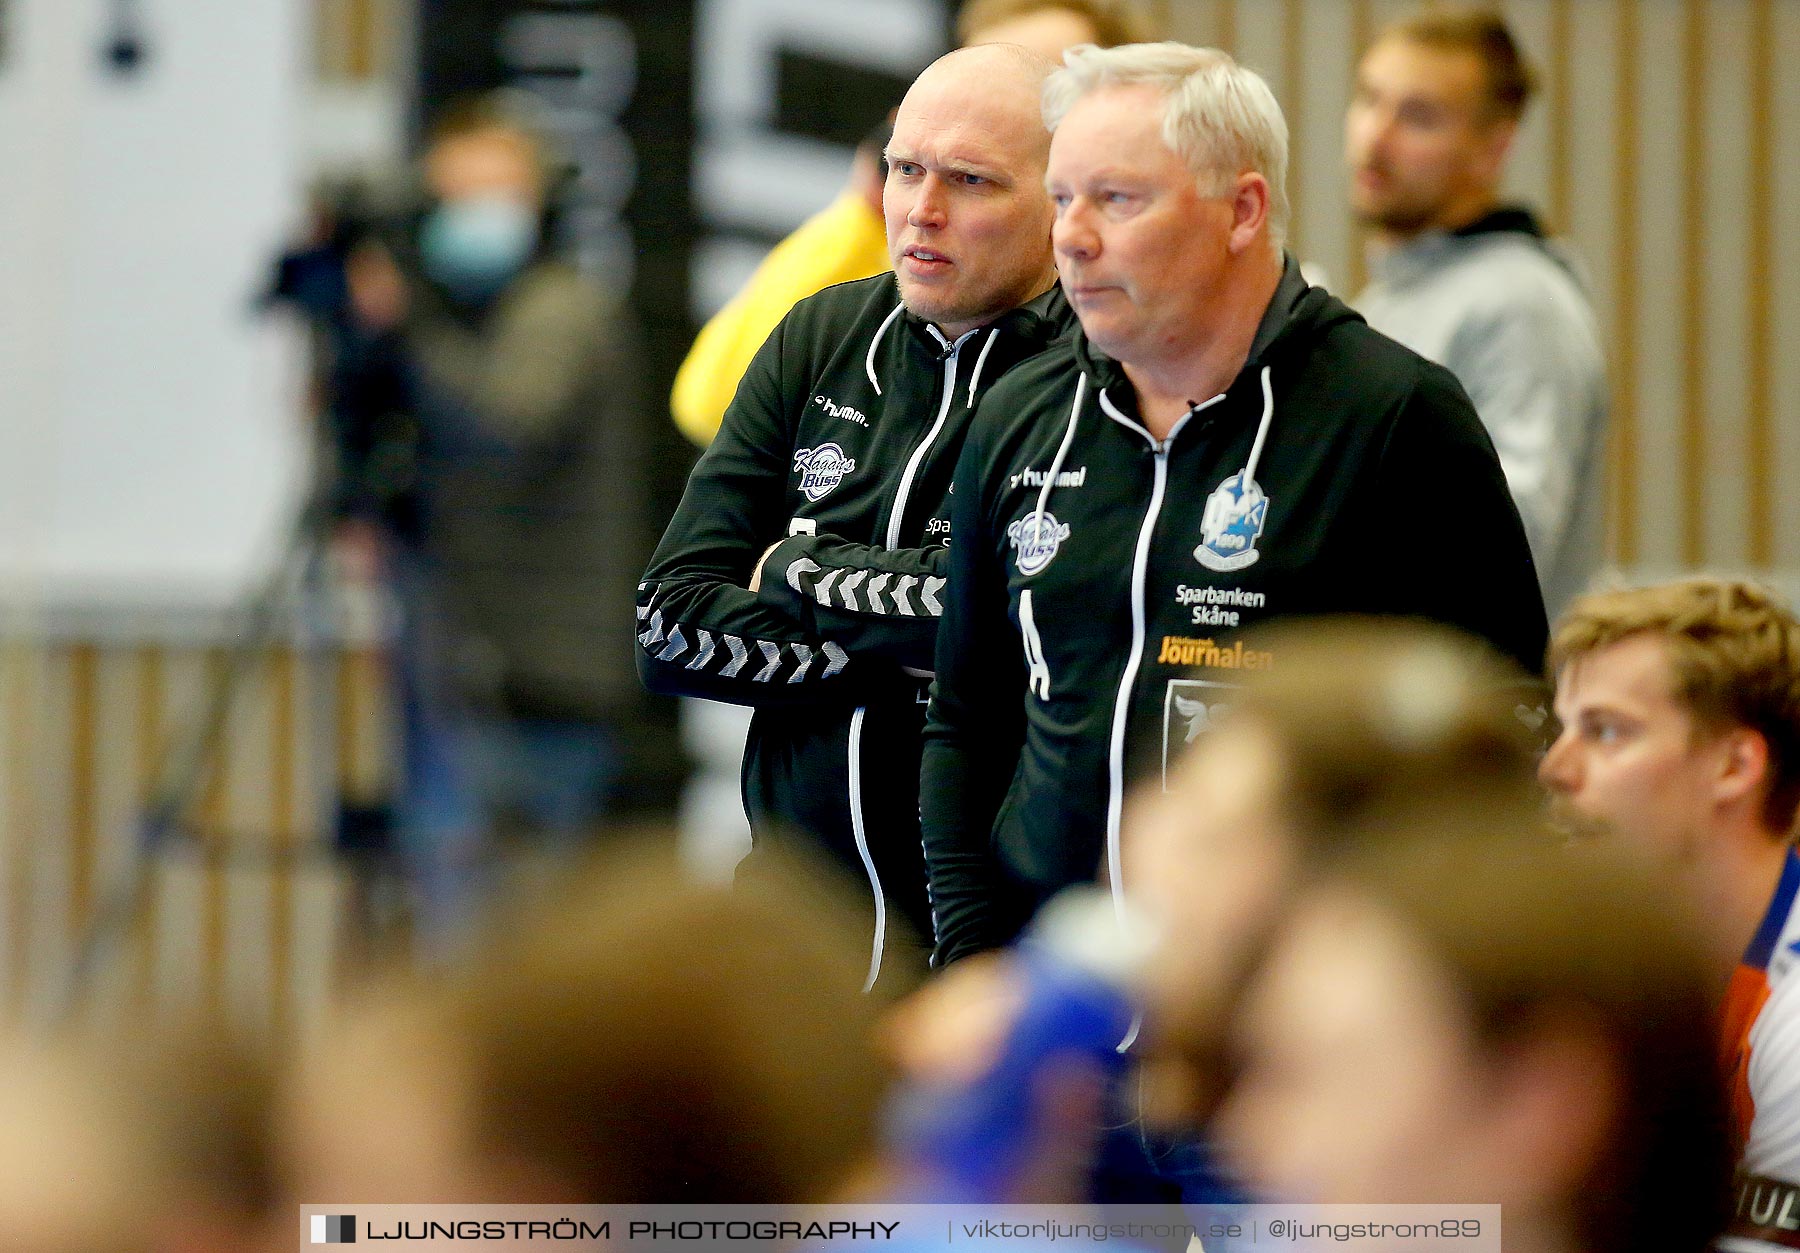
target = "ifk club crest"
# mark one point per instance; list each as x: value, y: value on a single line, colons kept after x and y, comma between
x: 1232, y: 524
x: 822, y: 469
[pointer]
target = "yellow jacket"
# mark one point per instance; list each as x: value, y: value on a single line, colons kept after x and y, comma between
x: 844, y: 241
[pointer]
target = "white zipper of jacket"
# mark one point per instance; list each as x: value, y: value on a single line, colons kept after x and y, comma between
x: 918, y: 456
x: 858, y: 829
x: 1140, y: 563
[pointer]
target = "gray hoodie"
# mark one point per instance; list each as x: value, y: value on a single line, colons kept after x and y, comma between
x: 1497, y: 306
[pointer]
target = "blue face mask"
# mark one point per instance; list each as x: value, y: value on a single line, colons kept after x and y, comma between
x: 474, y: 247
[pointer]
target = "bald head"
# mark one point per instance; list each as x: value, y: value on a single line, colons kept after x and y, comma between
x: 967, y: 218
x: 996, y: 89
x: 1031, y: 65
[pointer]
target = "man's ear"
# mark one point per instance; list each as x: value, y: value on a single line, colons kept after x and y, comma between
x: 1743, y: 765
x: 1249, y: 210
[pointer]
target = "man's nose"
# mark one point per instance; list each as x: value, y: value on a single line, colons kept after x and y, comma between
x: 1368, y: 131
x: 928, y: 207
x: 1073, y: 235
x: 1560, y: 769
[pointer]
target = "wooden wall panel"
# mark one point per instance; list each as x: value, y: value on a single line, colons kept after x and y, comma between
x: 1720, y: 220
x: 1781, y: 174
x: 240, y: 919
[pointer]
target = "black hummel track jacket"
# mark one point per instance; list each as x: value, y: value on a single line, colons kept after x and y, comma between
x: 838, y: 449
x: 1105, y: 588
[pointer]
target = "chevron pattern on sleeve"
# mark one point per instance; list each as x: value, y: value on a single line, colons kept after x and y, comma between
x: 735, y: 656
x: 889, y: 594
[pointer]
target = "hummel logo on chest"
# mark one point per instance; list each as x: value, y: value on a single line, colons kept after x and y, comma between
x: 1035, y: 478
x: 841, y: 411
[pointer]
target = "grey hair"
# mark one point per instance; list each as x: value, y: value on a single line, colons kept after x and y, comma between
x: 1218, y: 116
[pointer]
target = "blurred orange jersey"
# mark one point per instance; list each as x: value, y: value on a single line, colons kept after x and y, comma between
x: 1762, y: 1039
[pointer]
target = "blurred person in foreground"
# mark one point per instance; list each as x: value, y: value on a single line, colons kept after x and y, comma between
x: 1680, y: 739
x: 138, y: 1142
x: 492, y: 458
x: 1220, y: 446
x: 634, y: 1038
x: 847, y: 240
x: 1466, y: 1019
x: 803, y: 572
x: 1363, y: 723
x: 1472, y: 282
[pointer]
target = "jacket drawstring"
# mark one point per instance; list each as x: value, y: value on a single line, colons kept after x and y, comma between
x: 869, y: 361
x: 975, y: 378
x: 1062, y: 453
x: 1262, y: 430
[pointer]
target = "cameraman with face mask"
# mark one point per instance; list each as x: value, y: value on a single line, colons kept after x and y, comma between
x: 491, y: 469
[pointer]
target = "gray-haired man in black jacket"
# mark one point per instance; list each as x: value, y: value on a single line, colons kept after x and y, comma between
x: 1221, y: 445
x: 803, y: 573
